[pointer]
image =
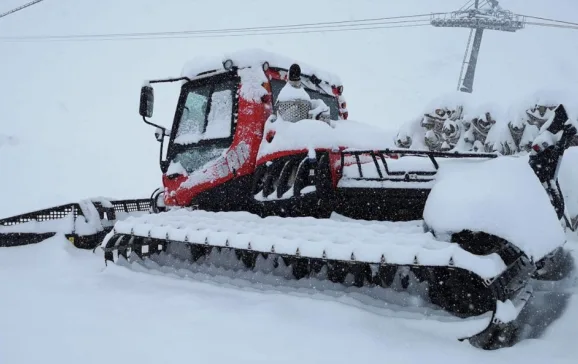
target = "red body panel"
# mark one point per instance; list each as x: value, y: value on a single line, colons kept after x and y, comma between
x: 241, y: 157
x: 239, y: 160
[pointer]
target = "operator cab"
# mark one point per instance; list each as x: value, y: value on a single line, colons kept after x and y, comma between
x: 207, y: 114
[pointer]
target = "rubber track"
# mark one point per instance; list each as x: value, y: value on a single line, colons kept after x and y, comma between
x: 462, y: 294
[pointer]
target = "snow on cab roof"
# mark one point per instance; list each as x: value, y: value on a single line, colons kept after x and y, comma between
x: 254, y: 58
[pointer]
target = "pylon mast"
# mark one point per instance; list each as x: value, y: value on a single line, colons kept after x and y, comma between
x: 477, y: 15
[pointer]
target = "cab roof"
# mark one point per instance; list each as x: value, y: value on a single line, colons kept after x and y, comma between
x: 253, y: 58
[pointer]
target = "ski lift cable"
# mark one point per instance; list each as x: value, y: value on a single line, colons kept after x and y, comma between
x: 226, y: 30
x: 153, y: 34
x: 224, y: 35
x: 553, y: 25
x: 21, y: 7
x: 466, y: 6
x: 546, y: 19
x: 218, y: 32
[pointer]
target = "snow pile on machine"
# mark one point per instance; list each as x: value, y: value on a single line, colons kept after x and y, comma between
x: 516, y: 197
x: 462, y: 122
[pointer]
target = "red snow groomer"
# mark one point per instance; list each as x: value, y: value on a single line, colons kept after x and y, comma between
x: 264, y: 173
x: 274, y: 141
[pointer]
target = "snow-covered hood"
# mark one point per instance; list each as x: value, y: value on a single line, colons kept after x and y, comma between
x: 315, y: 134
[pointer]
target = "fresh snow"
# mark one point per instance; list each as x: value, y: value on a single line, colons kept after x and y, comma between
x: 396, y: 243
x: 506, y: 311
x: 252, y: 80
x: 71, y: 108
x: 501, y: 196
x: 308, y: 133
x: 290, y: 93
x: 66, y: 304
x: 255, y: 58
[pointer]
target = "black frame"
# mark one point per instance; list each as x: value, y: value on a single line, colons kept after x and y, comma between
x: 107, y: 216
x: 173, y: 148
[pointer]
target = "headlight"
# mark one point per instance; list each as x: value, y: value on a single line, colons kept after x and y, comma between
x: 228, y: 64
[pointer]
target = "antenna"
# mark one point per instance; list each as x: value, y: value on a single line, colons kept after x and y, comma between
x: 477, y: 15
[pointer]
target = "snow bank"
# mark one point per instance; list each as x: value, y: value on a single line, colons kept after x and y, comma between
x: 254, y: 58
x: 501, y: 197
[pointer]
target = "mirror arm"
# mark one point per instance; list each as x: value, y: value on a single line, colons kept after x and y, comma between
x: 163, y: 164
x: 155, y: 125
x: 164, y: 80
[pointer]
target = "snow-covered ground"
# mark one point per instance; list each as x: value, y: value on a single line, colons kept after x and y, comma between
x: 60, y: 304
x: 69, y: 129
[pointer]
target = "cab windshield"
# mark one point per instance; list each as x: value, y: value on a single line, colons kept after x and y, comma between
x: 205, y: 122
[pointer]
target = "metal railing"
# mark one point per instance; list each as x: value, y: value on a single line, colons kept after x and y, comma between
x: 384, y: 171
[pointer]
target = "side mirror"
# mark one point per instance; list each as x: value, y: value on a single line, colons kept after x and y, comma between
x: 147, y: 100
